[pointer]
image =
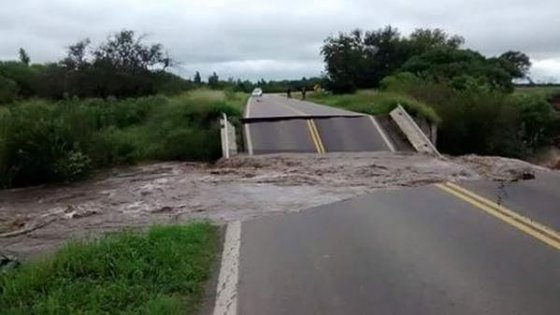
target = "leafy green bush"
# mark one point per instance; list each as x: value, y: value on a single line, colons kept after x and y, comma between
x: 20, y: 74
x: 42, y: 141
x: 478, y: 119
x: 456, y: 66
x: 72, y: 166
x: 399, y: 82
x: 37, y: 136
x: 8, y: 90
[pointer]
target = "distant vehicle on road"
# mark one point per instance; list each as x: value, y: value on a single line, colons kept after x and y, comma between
x: 257, y: 92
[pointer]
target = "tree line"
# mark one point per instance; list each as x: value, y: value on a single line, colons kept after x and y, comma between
x: 360, y: 59
x: 122, y: 66
x: 470, y: 93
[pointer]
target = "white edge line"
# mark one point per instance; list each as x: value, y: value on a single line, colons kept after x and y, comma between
x: 248, y: 107
x: 382, y: 133
x: 226, y: 296
x: 248, y: 139
x: 246, y: 125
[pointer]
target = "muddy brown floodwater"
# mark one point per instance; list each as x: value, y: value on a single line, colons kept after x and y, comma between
x: 37, y: 220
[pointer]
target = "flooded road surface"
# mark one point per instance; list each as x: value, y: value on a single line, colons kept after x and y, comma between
x: 37, y: 220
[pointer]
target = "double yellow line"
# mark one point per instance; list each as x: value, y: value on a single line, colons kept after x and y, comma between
x: 315, y: 136
x: 524, y: 224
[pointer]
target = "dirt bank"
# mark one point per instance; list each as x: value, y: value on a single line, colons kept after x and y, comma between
x: 36, y: 220
x: 548, y: 157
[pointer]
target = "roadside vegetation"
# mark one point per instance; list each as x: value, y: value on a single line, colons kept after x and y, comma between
x: 376, y: 103
x: 547, y: 91
x: 43, y: 141
x: 162, y: 271
x: 100, y: 107
x: 470, y: 96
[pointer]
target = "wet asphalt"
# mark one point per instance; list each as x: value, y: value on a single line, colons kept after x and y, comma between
x: 403, y: 251
x: 277, y: 124
x: 407, y: 251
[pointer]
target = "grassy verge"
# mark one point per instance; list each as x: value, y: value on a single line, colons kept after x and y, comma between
x: 43, y: 141
x: 160, y: 272
x: 545, y: 91
x: 375, y: 103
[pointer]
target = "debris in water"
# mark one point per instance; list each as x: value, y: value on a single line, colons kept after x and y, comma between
x: 240, y: 188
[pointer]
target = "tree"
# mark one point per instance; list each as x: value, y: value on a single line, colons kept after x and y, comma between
x: 213, y: 80
x: 124, y: 50
x: 459, y: 67
x: 516, y: 63
x: 197, y: 79
x: 122, y: 66
x: 362, y: 60
x: 76, y: 55
x: 422, y: 40
x: 386, y: 52
x: 344, y: 57
x: 24, y: 57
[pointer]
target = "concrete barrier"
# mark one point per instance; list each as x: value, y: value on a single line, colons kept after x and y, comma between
x: 228, y: 137
x: 412, y: 131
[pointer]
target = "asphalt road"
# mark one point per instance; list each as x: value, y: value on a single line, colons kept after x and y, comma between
x: 538, y: 199
x: 275, y: 124
x: 277, y: 106
x: 429, y: 250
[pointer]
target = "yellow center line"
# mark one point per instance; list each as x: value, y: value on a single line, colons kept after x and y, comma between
x: 313, y: 129
x: 536, y: 225
x: 526, y: 225
x: 314, y: 137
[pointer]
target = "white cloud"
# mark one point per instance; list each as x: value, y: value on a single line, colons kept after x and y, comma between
x: 274, y: 39
x: 546, y: 70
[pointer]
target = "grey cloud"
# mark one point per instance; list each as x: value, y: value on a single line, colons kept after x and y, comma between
x: 275, y: 39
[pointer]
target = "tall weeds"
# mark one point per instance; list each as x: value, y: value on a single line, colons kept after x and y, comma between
x: 42, y: 141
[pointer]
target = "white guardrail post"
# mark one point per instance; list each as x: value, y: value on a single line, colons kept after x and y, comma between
x: 224, y: 136
x: 415, y: 135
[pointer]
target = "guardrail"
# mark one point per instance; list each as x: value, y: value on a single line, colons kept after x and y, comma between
x: 412, y: 131
x: 227, y: 135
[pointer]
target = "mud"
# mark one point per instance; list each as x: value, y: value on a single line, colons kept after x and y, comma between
x: 37, y: 220
x: 548, y: 157
x: 499, y: 168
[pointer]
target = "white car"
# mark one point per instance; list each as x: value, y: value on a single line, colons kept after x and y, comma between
x: 257, y: 92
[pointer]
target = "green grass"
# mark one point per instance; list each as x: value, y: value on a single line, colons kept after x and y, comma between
x: 162, y: 271
x: 546, y: 91
x: 375, y: 103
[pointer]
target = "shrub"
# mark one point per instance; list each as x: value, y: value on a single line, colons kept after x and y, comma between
x: 43, y: 141
x: 72, y: 166
x: 38, y: 135
x: 399, y: 82
x: 8, y: 90
x: 476, y: 119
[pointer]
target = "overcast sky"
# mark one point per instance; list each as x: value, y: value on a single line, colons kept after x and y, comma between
x: 276, y: 39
